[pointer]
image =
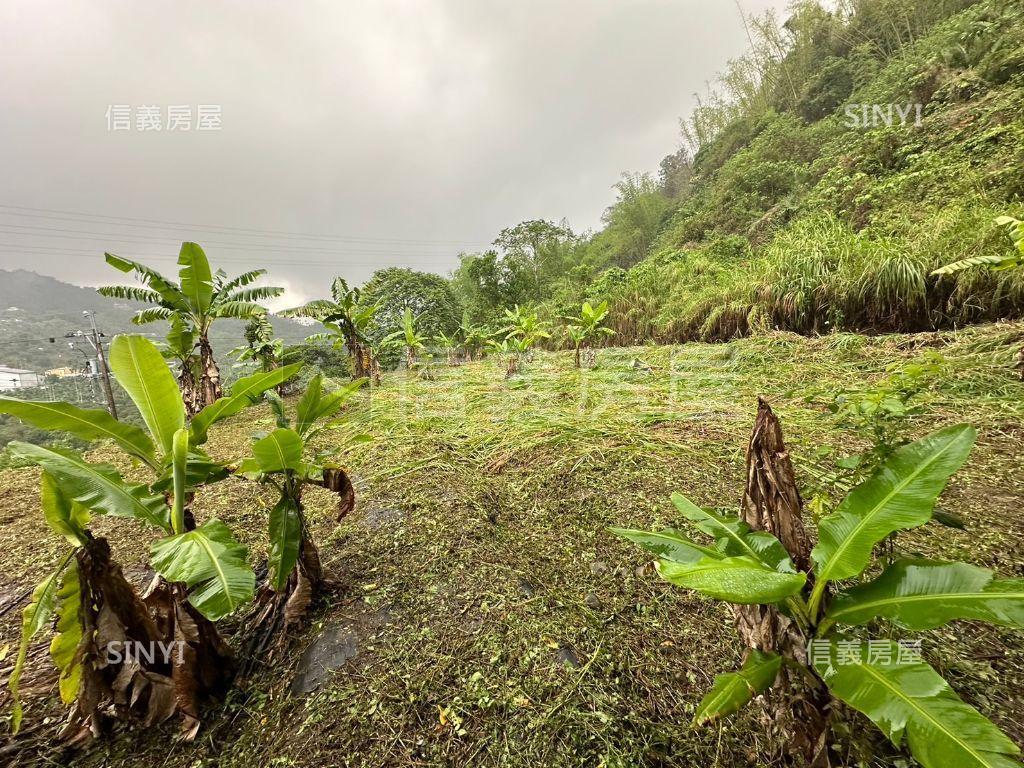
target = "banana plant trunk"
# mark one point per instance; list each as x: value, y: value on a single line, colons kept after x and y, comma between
x: 360, y: 354
x: 271, y: 363
x: 142, y: 658
x: 374, y: 367
x: 210, y: 379
x: 277, y: 611
x: 577, y: 355
x: 799, y: 706
x: 190, y: 395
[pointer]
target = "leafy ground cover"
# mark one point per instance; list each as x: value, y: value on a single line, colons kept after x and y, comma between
x: 487, y: 617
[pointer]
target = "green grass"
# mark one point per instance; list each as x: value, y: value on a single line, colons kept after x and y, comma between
x: 477, y: 561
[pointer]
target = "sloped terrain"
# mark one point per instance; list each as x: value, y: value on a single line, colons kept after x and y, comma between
x: 481, y: 614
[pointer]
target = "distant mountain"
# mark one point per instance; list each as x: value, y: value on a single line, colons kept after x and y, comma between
x: 35, y: 308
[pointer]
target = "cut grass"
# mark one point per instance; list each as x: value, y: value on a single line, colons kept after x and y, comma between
x: 498, y: 622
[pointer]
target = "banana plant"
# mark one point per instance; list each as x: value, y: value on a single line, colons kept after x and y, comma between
x: 525, y: 325
x: 1015, y: 229
x: 200, y: 297
x: 587, y: 326
x: 260, y: 345
x: 474, y: 338
x: 202, y: 571
x: 408, y: 338
x: 449, y: 343
x: 901, y: 693
x: 282, y: 459
x: 514, y: 349
x: 346, y: 319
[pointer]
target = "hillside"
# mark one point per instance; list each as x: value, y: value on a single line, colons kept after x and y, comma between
x: 833, y: 168
x: 799, y: 216
x: 35, y: 308
x: 732, y: 481
x: 480, y: 613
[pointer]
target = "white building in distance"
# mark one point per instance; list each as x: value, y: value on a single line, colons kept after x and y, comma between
x: 16, y: 378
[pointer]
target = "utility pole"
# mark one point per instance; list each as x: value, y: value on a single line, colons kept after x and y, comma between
x: 102, y: 361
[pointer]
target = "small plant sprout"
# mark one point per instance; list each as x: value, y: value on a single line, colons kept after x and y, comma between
x: 583, y: 329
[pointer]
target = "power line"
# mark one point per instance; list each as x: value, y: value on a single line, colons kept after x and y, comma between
x: 53, y: 340
x: 20, y: 250
x: 77, y: 234
x: 213, y: 227
x: 170, y: 260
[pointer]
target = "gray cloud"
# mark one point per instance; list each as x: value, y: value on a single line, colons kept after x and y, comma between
x: 413, y: 129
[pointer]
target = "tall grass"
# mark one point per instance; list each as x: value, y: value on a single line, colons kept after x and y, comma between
x: 820, y: 276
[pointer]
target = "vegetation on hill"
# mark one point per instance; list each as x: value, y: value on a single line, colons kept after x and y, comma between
x: 35, y: 308
x: 780, y: 211
x: 787, y: 205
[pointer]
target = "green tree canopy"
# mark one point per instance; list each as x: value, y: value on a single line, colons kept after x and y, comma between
x: 430, y: 297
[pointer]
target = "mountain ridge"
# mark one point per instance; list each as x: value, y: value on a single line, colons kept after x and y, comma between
x: 35, y: 308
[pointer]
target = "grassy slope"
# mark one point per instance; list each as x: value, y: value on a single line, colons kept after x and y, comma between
x: 480, y: 533
x: 807, y: 226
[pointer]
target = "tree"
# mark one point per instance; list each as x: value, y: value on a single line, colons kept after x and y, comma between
x: 346, y: 318
x: 326, y: 358
x: 200, y: 297
x: 634, y: 220
x: 202, y: 570
x: 486, y: 282
x: 260, y: 345
x: 430, y: 297
x: 762, y: 563
x: 675, y: 173
x: 587, y: 326
x: 543, y: 249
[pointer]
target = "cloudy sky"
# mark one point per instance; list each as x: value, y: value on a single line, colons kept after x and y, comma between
x: 352, y: 135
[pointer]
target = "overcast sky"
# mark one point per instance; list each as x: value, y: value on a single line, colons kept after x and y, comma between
x: 353, y: 135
